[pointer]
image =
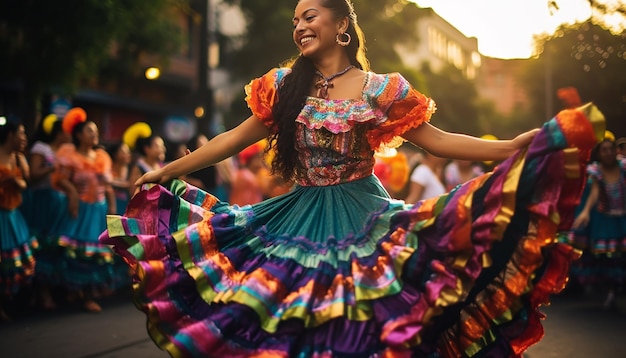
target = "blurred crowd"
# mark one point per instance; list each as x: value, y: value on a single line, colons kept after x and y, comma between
x: 56, y: 190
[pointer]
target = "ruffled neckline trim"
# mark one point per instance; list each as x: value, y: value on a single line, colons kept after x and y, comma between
x: 340, y: 115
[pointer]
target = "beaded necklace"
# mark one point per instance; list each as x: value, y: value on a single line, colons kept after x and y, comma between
x: 324, y: 84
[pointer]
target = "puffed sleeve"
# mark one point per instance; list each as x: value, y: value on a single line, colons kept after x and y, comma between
x: 65, y: 157
x: 103, y: 165
x: 401, y: 108
x: 262, y: 92
x: 593, y: 170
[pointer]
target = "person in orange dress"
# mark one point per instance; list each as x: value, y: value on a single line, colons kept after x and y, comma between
x: 84, y: 174
x: 17, y: 264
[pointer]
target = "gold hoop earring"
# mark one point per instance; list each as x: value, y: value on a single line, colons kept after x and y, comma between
x: 341, y: 42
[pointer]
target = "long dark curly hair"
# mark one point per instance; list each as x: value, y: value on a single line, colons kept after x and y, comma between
x: 297, y: 85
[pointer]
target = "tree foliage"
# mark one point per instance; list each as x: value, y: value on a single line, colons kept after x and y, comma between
x: 58, y: 44
x: 457, y: 101
x: 61, y: 42
x: 604, y: 9
x: 588, y: 57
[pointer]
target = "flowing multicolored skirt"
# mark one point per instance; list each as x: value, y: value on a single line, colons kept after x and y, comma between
x: 346, y: 271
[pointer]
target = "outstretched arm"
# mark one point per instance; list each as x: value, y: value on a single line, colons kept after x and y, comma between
x: 217, y: 149
x: 460, y: 146
x: 583, y: 217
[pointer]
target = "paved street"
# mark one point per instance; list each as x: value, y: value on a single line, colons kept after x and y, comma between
x: 575, y: 327
x: 118, y: 331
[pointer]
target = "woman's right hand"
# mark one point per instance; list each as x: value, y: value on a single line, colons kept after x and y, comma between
x: 155, y: 176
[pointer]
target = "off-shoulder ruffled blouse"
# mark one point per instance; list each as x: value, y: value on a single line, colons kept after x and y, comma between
x: 336, y: 138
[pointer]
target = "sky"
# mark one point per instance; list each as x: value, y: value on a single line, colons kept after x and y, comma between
x: 505, y: 28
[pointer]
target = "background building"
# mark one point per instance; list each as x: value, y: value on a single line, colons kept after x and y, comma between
x: 441, y: 44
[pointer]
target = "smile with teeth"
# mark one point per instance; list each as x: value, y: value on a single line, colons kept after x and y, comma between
x: 306, y: 40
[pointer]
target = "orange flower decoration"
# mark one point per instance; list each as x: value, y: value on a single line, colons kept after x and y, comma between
x: 72, y: 118
x: 569, y: 96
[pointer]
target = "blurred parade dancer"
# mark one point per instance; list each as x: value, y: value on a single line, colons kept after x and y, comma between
x: 121, y: 158
x: 84, y: 174
x: 426, y: 179
x: 600, y: 226
x: 42, y: 204
x: 149, y: 148
x: 460, y: 171
x: 17, y: 264
x: 246, y: 187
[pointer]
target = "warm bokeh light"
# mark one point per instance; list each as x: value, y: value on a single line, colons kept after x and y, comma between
x: 153, y: 73
x: 199, y: 112
x: 505, y: 28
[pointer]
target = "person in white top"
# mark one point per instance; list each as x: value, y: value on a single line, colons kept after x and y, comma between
x: 425, y: 179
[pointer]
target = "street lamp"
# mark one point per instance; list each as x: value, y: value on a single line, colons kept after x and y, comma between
x: 152, y: 73
x: 199, y: 112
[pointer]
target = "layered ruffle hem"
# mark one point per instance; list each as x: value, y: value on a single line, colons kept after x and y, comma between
x: 17, y: 264
x: 346, y: 271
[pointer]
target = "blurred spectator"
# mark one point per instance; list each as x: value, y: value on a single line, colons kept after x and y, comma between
x: 178, y: 150
x: 42, y: 215
x: 603, y: 216
x: 426, y: 180
x: 120, y: 171
x: 41, y: 207
x: 149, y: 148
x: 392, y: 168
x: 84, y: 174
x: 17, y: 263
x: 620, y: 144
x: 205, y: 178
x: 460, y: 171
x: 414, y: 157
x: 246, y: 188
x: 271, y: 184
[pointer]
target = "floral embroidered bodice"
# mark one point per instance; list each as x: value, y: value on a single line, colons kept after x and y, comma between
x: 336, y: 138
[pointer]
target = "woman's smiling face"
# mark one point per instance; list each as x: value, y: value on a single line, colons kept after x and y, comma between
x: 315, y: 28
